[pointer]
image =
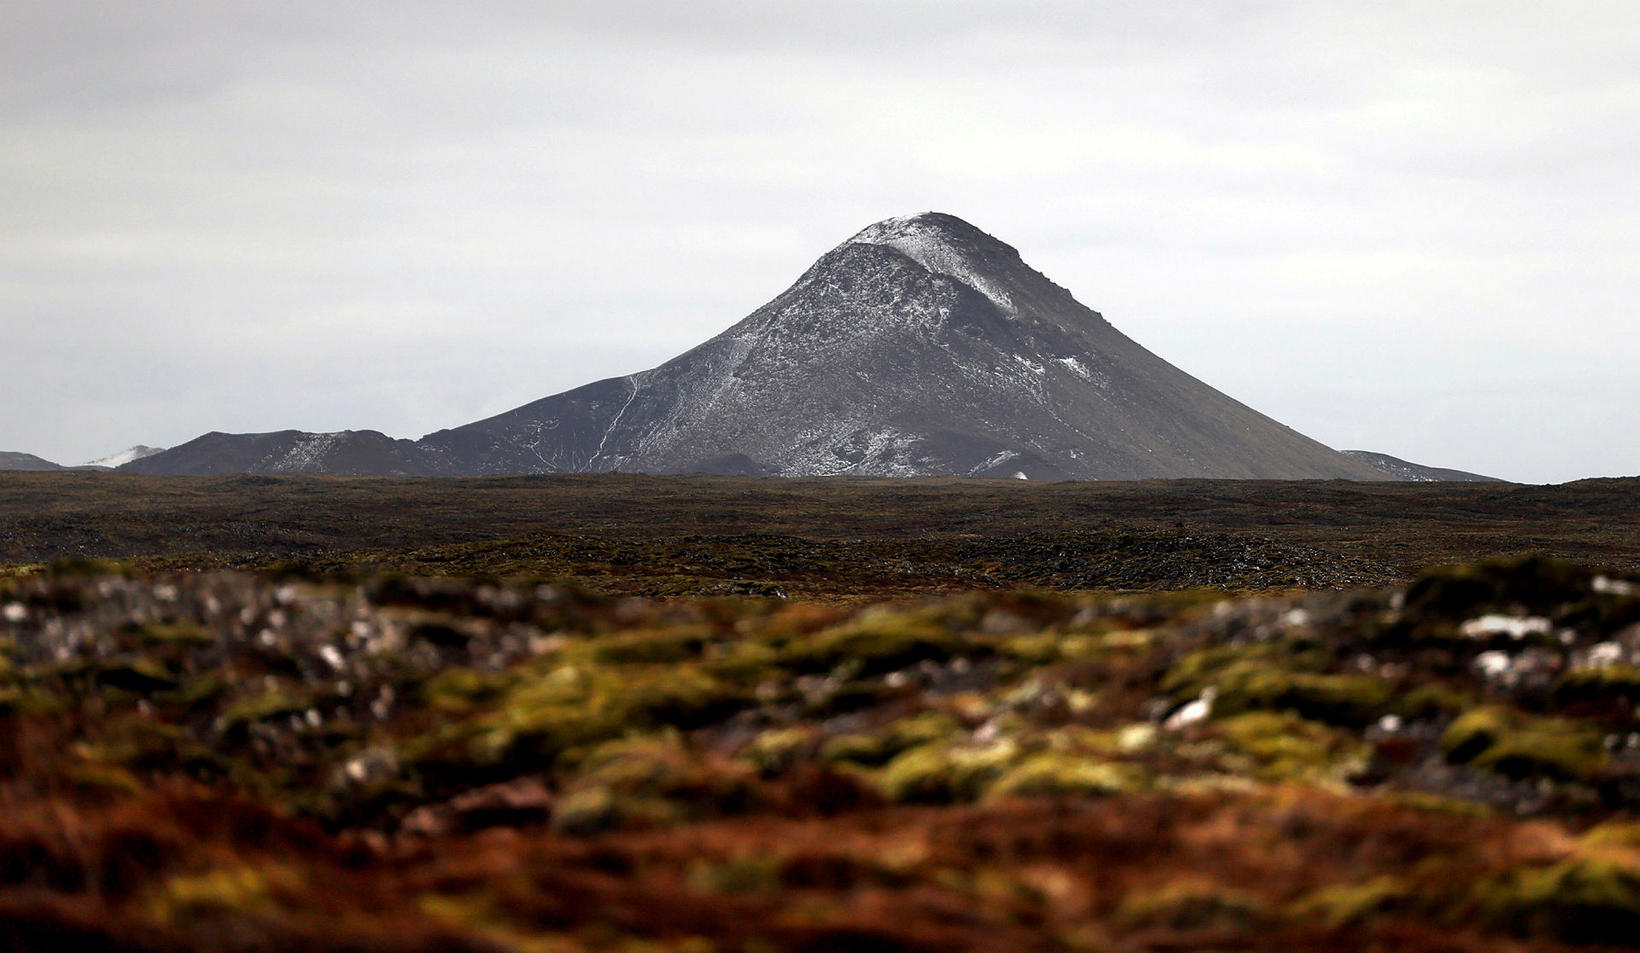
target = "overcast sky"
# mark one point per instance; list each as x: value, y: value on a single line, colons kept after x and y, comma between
x: 1405, y: 226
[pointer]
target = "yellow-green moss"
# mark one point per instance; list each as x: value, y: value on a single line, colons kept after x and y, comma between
x: 651, y: 780
x: 1192, y: 906
x: 273, y: 703
x: 174, y: 633
x: 1581, y: 899
x: 1518, y: 745
x: 942, y: 774
x: 1618, y: 684
x: 240, y: 889
x: 1350, y: 905
x: 777, y: 750
x: 877, y: 641
x: 1280, y: 746
x: 1268, y: 677
x: 1055, y: 775
x: 651, y: 646
x: 878, y: 747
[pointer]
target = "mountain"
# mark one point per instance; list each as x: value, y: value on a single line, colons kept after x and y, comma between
x: 920, y: 346
x: 12, y: 460
x: 120, y: 459
x: 354, y: 452
x: 1396, y: 468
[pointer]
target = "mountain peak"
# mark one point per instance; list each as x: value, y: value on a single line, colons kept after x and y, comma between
x: 947, y: 245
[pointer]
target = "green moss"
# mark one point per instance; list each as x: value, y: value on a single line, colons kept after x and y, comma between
x: 1518, y: 745
x: 1625, y: 834
x: 462, y: 689
x: 944, y: 774
x: 264, y: 706
x: 651, y: 646
x: 777, y: 750
x: 196, y: 693
x: 542, y: 716
x: 1433, y: 700
x: 102, y: 780
x: 879, y: 747
x: 1278, y: 746
x: 1437, y: 804
x: 877, y: 641
x: 1451, y: 592
x: 175, y: 633
x: 1619, y: 684
x: 1582, y: 899
x: 648, y: 781
x: 1271, y: 677
x: 1350, y: 700
x: 1472, y: 733
x: 239, y: 889
x: 140, y: 675
x: 740, y: 875
x: 1202, y: 668
x: 1537, y: 583
x: 588, y: 810
x: 1352, y: 905
x: 1192, y: 906
x: 1056, y: 775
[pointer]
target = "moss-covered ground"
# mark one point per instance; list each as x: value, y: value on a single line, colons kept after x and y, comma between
x: 228, y: 760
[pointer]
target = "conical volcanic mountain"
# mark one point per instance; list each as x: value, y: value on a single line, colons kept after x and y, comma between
x: 921, y: 346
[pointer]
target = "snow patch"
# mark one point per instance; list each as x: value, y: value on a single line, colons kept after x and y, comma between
x: 1076, y: 367
x: 1513, y: 626
x: 308, y: 453
x: 125, y: 456
x: 994, y: 460
x: 924, y: 243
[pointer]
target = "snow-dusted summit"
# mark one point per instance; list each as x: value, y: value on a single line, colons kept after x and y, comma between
x: 125, y: 456
x: 919, y: 346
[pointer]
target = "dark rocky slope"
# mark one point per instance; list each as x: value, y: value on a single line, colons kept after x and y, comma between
x: 12, y: 460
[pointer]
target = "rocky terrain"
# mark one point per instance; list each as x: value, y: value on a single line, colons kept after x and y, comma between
x: 827, y: 539
x: 920, y: 346
x: 230, y: 761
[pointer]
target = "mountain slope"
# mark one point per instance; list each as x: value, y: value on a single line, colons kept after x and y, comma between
x: 354, y: 452
x: 13, y: 460
x: 1396, y: 468
x: 919, y: 346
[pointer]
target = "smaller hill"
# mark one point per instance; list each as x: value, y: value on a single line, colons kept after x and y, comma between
x: 351, y: 452
x: 1398, y: 469
x: 12, y: 460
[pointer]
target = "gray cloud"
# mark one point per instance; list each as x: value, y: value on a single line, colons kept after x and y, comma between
x: 1402, y: 226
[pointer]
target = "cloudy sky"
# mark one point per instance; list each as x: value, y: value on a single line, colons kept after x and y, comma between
x: 1405, y: 226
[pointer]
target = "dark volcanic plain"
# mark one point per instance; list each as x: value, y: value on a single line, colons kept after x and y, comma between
x: 819, y: 538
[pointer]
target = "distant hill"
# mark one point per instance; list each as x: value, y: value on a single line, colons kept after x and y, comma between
x: 1416, y: 472
x: 920, y: 346
x: 12, y: 460
x: 355, y: 452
